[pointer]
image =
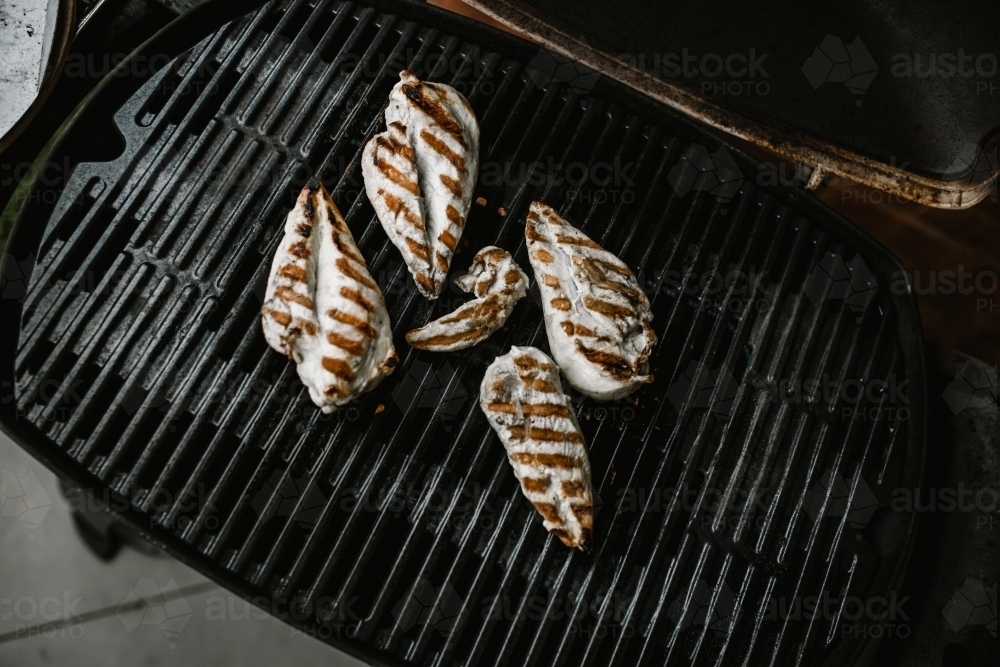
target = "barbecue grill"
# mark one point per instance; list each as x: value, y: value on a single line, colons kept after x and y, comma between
x: 752, y: 476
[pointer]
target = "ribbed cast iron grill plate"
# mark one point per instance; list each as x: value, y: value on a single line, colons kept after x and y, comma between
x: 394, y: 528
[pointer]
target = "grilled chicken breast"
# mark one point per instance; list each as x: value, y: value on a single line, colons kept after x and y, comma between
x: 498, y: 283
x: 596, y: 317
x: 525, y: 405
x: 419, y: 175
x: 322, y: 309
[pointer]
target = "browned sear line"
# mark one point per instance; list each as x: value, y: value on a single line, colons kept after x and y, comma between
x: 535, y: 485
x: 443, y: 150
x: 544, y: 460
x: 414, y: 92
x: 293, y: 271
x: 612, y: 363
x: 452, y: 184
x: 338, y: 367
x: 354, y: 295
x: 288, y: 294
x: 358, y: 323
x: 349, y: 345
x: 396, y: 176
x: 548, y: 512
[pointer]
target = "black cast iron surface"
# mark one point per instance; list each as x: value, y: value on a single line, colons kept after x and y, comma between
x: 730, y: 488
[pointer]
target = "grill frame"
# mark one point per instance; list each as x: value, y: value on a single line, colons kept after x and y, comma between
x: 173, y: 39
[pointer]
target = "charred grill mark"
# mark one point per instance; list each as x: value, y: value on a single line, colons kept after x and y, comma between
x: 530, y: 231
x: 354, y: 295
x: 572, y: 488
x: 424, y: 280
x: 441, y: 339
x: 544, y: 460
x: 349, y: 345
x: 525, y: 363
x: 448, y: 239
x: 563, y: 536
x: 581, y: 241
x: 545, y: 410
x: 346, y: 249
x: 442, y: 149
x: 548, y: 512
x: 358, y: 323
x: 561, y: 303
x: 396, y: 205
x: 512, y: 277
x: 550, y: 280
x: 544, y: 386
x: 543, y: 255
x: 469, y: 311
x: 338, y: 367
x: 303, y: 230
x: 506, y: 407
x: 293, y: 271
x: 535, y: 485
x: 453, y: 184
x: 417, y: 248
x: 551, y: 435
x: 605, y: 308
x: 299, y: 249
x: 391, y: 143
x: 454, y: 216
x: 442, y: 261
x: 567, y: 327
x: 396, y: 176
x: 284, y: 319
x: 612, y: 363
x: 351, y: 271
x: 288, y: 294
x: 307, y: 326
x: 615, y: 267
x: 414, y: 92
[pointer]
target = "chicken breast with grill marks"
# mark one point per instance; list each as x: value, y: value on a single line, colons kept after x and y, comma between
x: 322, y: 309
x: 596, y: 317
x: 419, y: 175
x: 498, y: 283
x: 525, y: 405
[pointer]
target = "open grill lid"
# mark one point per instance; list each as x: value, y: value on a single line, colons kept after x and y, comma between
x: 755, y: 473
x: 901, y: 96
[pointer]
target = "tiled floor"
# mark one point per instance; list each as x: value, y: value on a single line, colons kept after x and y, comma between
x: 59, y: 604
